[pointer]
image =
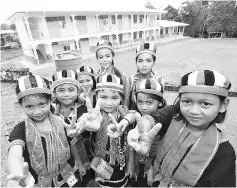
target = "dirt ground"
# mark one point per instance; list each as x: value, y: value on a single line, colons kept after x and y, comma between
x: 173, y: 60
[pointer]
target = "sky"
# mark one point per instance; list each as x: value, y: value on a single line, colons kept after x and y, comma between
x: 8, y: 7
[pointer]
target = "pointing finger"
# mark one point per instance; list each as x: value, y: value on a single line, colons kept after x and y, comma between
x: 97, y: 106
x: 112, y: 119
x: 153, y: 132
x: 89, y: 105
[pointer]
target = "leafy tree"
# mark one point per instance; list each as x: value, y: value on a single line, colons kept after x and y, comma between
x: 172, y: 14
x: 195, y: 14
x: 222, y: 17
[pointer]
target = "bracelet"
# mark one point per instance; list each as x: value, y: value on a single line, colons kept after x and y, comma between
x: 127, y: 120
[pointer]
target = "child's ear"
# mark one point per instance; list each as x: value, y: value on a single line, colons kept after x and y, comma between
x: 224, y: 105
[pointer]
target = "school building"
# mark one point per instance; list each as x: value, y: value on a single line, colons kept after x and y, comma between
x: 45, y: 35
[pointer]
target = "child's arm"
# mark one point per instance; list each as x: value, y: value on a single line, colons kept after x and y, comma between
x: 18, y: 170
x: 130, y: 165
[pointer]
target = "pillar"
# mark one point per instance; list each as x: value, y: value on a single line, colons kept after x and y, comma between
x: 74, y: 24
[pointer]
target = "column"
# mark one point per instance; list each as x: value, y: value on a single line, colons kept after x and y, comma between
x: 46, y: 29
x: 74, y: 24
x: 143, y: 36
x: 51, y: 51
x: 97, y: 22
x: 145, y: 21
x: 116, y: 20
x: 35, y: 53
x: 131, y: 21
x: 28, y: 28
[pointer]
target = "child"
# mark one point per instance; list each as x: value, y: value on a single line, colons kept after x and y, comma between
x: 87, y: 82
x: 149, y: 98
x: 66, y: 89
x: 193, y: 151
x: 145, y: 60
x: 109, y: 160
x: 105, y: 54
x: 40, y: 141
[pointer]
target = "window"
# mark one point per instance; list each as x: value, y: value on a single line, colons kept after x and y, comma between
x: 80, y: 17
x: 119, y: 16
x: 134, y: 18
x: 135, y: 35
x: 113, y: 18
x: 57, y: 19
x: 104, y: 18
x: 114, y: 37
x: 166, y: 30
x: 140, y: 18
x: 140, y: 34
x: 161, y: 31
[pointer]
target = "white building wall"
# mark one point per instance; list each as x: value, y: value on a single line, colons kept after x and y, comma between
x: 126, y: 36
x: 93, y: 41
x: 125, y: 22
x: 91, y: 24
x: 23, y: 36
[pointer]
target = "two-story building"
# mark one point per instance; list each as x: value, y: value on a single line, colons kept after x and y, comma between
x: 44, y: 34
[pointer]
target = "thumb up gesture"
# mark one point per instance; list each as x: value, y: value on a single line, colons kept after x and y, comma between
x: 140, y: 138
x: 22, y: 180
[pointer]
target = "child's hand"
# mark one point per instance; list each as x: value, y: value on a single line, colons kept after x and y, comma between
x: 115, y: 129
x: 85, y: 93
x: 93, y: 117
x: 82, y: 169
x: 23, y: 180
x: 143, y: 143
x: 150, y: 176
x: 72, y: 128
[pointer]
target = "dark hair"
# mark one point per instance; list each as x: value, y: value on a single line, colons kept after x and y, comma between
x: 219, y: 118
x: 153, y: 57
x: 38, y: 95
x: 154, y: 97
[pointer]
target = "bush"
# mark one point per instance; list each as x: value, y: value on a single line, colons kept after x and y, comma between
x: 13, y: 74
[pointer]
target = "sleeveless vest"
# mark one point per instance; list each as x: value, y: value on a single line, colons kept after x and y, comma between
x: 182, y: 157
x: 58, y: 153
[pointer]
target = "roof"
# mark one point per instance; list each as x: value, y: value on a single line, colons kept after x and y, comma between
x: 7, y: 31
x: 166, y: 23
x: 80, y: 11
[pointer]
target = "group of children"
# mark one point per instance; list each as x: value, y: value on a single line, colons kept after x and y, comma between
x: 118, y: 130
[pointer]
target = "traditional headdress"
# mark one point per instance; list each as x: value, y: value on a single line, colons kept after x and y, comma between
x: 32, y: 84
x: 105, y: 44
x: 205, y: 81
x: 150, y: 85
x: 146, y: 47
x: 64, y: 77
x: 110, y: 81
x: 85, y: 70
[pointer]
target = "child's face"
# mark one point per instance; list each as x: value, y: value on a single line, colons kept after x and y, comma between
x: 66, y: 94
x: 109, y: 100
x: 37, y: 108
x: 200, y: 109
x: 145, y: 63
x: 85, y: 81
x: 145, y: 104
x: 105, y: 57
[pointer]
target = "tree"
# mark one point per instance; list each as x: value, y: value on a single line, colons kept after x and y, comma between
x: 172, y: 14
x: 222, y: 17
x: 195, y: 14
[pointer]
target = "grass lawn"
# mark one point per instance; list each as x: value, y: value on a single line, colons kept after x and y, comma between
x: 173, y: 60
